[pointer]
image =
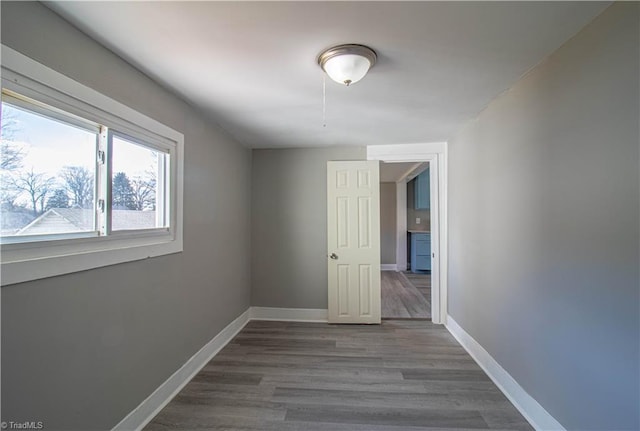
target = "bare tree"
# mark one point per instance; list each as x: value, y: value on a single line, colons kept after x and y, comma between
x: 144, y: 192
x: 36, y: 185
x: 11, y: 153
x: 11, y: 157
x: 79, y: 182
x: 8, y: 194
x: 144, y: 187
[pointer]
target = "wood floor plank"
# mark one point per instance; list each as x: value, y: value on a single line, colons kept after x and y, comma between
x: 380, y: 399
x: 287, y: 376
x: 316, y: 360
x: 287, y: 342
x: 401, y: 299
x: 181, y: 415
x: 433, y: 364
x: 229, y: 391
x: 505, y: 419
x: 387, y: 416
x: 373, y: 373
x: 230, y: 423
x: 416, y: 302
x: 446, y: 375
x: 227, y: 377
x: 336, y: 383
x: 420, y: 281
x: 392, y: 305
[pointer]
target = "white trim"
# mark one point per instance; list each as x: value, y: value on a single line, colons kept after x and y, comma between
x: 23, y: 65
x: 436, y: 154
x: 388, y: 267
x: 151, y: 406
x: 401, y: 225
x: 31, y: 261
x: 532, y: 411
x: 438, y: 313
x: 289, y: 314
x: 405, y: 152
x: 139, y: 417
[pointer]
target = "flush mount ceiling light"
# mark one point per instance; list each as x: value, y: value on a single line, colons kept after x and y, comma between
x: 347, y: 64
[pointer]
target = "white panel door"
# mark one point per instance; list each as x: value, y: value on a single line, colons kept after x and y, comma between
x: 353, y: 205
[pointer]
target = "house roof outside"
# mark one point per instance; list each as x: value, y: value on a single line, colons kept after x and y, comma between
x: 67, y: 220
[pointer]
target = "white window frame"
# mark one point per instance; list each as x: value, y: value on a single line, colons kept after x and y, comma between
x: 34, y: 260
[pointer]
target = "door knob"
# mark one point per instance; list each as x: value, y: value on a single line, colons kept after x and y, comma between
x: 333, y: 256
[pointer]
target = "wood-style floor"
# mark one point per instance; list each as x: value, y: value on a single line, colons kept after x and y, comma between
x: 286, y: 376
x: 405, y: 295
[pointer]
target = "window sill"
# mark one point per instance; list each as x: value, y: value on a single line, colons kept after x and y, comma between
x: 82, y: 254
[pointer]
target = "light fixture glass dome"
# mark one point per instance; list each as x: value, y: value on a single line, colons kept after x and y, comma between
x: 347, y: 64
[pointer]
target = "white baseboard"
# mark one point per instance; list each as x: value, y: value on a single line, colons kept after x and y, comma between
x: 289, y: 314
x: 388, y: 267
x: 533, y: 412
x: 150, y: 407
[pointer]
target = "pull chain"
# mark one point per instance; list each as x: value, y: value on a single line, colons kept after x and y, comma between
x: 324, y: 101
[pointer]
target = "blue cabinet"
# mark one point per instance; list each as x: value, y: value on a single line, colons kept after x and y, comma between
x: 420, y: 252
x: 421, y: 191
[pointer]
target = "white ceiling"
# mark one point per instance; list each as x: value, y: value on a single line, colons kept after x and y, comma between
x: 251, y: 66
x: 391, y: 172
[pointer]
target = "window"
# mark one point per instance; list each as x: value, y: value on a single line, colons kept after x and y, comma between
x: 138, y: 191
x: 47, y: 172
x: 51, y: 163
x: 81, y: 175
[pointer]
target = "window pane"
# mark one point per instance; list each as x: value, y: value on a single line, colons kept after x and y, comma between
x: 137, y: 187
x: 47, y: 174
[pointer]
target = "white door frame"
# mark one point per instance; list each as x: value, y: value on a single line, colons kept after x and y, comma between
x: 401, y: 225
x: 436, y: 154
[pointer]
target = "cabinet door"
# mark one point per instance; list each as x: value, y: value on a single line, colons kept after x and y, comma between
x: 423, y: 263
x: 421, y: 191
x: 420, y: 252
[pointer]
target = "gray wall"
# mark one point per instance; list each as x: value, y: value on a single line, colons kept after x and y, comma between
x: 543, y: 227
x: 388, y: 223
x: 412, y: 213
x: 81, y: 351
x: 289, y: 225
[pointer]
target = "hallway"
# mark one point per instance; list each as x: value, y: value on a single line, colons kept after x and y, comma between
x: 405, y: 295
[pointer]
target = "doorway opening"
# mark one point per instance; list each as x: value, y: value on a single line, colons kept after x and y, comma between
x: 418, y: 158
x: 405, y: 222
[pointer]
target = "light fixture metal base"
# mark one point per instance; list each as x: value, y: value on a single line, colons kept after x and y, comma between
x: 347, y: 49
